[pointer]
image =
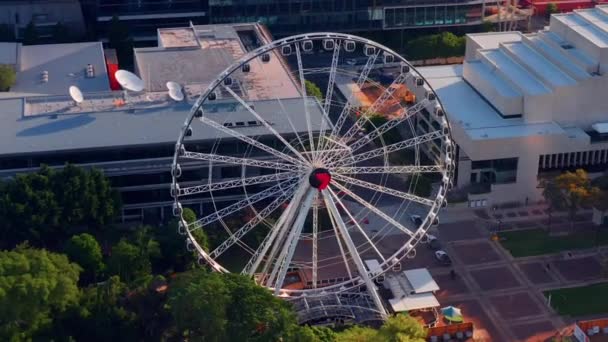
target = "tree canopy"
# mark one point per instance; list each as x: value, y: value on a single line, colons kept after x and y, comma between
x: 84, y: 250
x: 313, y: 90
x: 228, y: 307
x: 8, y: 77
x: 47, y: 206
x: 445, y: 44
x: 34, y: 286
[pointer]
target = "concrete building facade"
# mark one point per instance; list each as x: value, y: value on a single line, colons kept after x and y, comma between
x: 528, y: 106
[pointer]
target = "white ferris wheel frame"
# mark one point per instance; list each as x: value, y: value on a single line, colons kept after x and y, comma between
x: 298, y: 191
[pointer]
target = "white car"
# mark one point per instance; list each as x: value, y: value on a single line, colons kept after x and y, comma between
x: 416, y: 219
x: 351, y: 61
x: 443, y: 257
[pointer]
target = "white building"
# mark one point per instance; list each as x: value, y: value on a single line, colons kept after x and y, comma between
x: 523, y: 106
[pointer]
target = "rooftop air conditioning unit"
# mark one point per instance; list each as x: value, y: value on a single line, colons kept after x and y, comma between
x: 90, y: 71
x: 45, y: 76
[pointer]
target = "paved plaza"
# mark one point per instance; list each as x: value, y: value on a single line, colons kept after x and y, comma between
x: 500, y: 294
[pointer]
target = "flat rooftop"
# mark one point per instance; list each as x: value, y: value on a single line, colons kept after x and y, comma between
x: 468, y: 109
x: 137, y: 126
x: 66, y: 66
x: 196, y: 55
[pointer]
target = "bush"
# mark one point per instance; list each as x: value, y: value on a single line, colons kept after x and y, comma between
x: 444, y: 45
x: 7, y: 77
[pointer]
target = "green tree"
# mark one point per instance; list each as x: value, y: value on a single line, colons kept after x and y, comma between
x: 578, y: 191
x: 358, y: 334
x: 445, y: 44
x: 402, y: 328
x: 198, y: 302
x: 8, y: 77
x: 127, y: 262
x: 35, y: 285
x: 551, y: 8
x: 103, y: 315
x: 313, y: 90
x: 61, y: 34
x: 30, y: 34
x: 228, y: 307
x: 313, y: 334
x: 84, y: 250
x: 172, y: 244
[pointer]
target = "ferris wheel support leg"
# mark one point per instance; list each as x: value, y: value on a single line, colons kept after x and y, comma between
x: 278, y: 229
x: 291, y: 241
x: 315, y: 247
x: 371, y: 287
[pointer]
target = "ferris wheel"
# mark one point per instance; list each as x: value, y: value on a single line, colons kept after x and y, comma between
x: 322, y: 193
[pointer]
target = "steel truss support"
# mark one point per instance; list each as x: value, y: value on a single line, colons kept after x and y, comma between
x: 315, y: 247
x: 407, y: 169
x: 305, y: 100
x: 330, y: 89
x: 380, y: 151
x: 266, y: 124
x: 378, y: 131
x: 348, y: 106
x: 373, y: 209
x: 371, y: 287
x: 241, y: 161
x: 249, y: 141
x: 387, y: 94
x: 285, y: 220
x: 384, y: 190
x: 262, y: 214
x: 291, y: 241
x: 192, y: 190
x: 244, y: 203
x: 356, y: 224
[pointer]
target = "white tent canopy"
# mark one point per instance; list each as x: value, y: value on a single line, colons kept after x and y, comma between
x: 421, y: 281
x: 414, y: 302
x: 600, y: 127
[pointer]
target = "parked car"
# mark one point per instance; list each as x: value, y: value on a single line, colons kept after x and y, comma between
x: 443, y: 258
x: 416, y: 219
x: 351, y: 61
x: 433, y: 242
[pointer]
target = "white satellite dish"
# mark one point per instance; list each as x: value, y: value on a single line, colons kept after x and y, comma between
x: 76, y: 94
x: 173, y: 85
x: 129, y: 80
x: 176, y: 94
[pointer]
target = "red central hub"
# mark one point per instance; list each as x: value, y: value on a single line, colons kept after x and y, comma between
x: 319, y: 178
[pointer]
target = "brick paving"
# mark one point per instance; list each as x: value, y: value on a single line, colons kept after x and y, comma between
x: 516, y: 305
x: 495, y: 278
x: 536, y: 273
x: 476, y: 253
x: 579, y: 269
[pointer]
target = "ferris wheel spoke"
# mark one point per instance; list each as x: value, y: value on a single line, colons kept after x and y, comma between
x: 373, y: 209
x: 378, y: 103
x: 252, y: 223
x: 277, y: 232
x: 408, y: 169
x: 240, y: 161
x: 384, y: 190
x: 192, y: 190
x: 249, y: 141
x: 378, y: 131
x: 330, y: 89
x: 337, y: 234
x: 266, y: 124
x: 305, y: 100
x: 381, y: 151
x: 335, y: 132
x: 292, y: 240
x: 363, y: 273
x: 276, y: 190
x: 356, y: 224
x: 315, y: 247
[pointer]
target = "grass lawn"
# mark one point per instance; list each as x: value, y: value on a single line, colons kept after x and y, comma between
x: 579, y: 301
x: 529, y: 242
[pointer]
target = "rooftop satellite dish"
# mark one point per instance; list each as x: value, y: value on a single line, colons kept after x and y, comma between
x: 76, y: 94
x: 173, y: 85
x: 129, y: 80
x: 176, y: 94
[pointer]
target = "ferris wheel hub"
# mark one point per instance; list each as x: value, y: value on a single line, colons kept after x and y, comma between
x: 319, y: 178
